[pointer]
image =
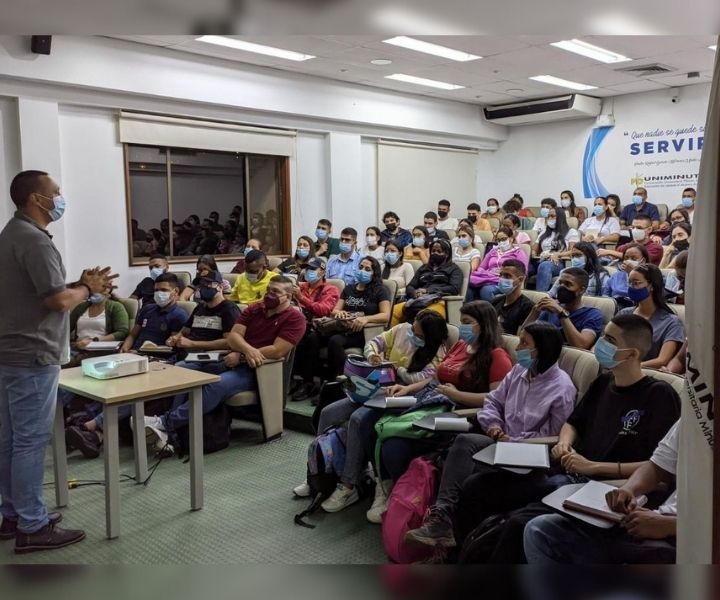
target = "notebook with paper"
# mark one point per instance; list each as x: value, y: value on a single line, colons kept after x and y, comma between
x: 487, y: 456
x: 148, y: 346
x: 104, y: 346
x: 390, y: 402
x: 517, y: 454
x: 590, y: 500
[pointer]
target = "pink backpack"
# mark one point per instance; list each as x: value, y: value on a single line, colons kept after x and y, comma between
x: 409, y: 500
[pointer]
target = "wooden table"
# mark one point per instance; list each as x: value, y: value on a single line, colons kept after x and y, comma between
x: 160, y: 381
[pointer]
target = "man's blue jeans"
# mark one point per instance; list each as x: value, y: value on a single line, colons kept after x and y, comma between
x: 28, y: 397
x: 239, y: 379
x: 546, y: 270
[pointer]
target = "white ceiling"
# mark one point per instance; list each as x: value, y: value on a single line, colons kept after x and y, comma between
x: 500, y: 77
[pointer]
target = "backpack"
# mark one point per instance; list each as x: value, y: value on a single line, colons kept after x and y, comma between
x: 480, y: 544
x: 216, y: 433
x: 330, y: 391
x: 411, y: 497
x: 326, y: 460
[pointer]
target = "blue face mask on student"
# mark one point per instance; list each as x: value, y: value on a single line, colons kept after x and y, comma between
x: 58, y: 208
x: 320, y: 234
x: 418, y: 242
x: 506, y: 286
x: 544, y: 212
x: 363, y: 276
x: 637, y: 295
x: 247, y: 250
x: 605, y: 354
x: 345, y: 248
x: 578, y: 261
x: 598, y: 210
x: 391, y: 258
x: 96, y: 298
x: 156, y: 272
x: 688, y: 202
x: 467, y: 334
x: 311, y: 275
x: 207, y: 293
x: 637, y: 200
x: 415, y: 340
x: 525, y: 359
x: 463, y: 243
x: 302, y: 252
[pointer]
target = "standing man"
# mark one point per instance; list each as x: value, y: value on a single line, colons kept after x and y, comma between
x: 445, y: 221
x: 34, y: 333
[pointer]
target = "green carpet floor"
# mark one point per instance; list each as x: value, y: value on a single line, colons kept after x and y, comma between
x: 247, y: 518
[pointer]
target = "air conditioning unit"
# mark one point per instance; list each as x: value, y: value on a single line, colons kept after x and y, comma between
x: 572, y: 106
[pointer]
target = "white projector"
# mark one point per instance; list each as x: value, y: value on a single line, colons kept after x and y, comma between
x: 114, y: 365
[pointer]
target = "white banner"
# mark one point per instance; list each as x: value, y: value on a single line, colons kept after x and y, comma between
x: 695, y: 468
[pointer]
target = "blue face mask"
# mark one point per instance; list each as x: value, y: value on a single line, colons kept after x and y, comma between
x: 637, y: 295
x: 155, y: 272
x: 96, y: 298
x: 391, y: 258
x: 578, y: 261
x: 247, y: 250
x: 637, y: 200
x: 418, y: 242
x: 320, y: 234
x: 302, y: 252
x: 345, y: 248
x: 467, y: 334
x: 463, y: 242
x: 506, y: 286
x: 363, y: 276
x: 544, y: 212
x: 311, y: 275
x: 415, y: 340
x: 207, y: 293
x: 58, y: 208
x: 688, y: 202
x: 598, y: 210
x: 525, y: 359
x: 605, y: 354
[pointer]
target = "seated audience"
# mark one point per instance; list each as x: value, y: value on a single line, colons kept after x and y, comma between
x: 513, y: 222
x: 252, y: 244
x: 583, y: 256
x: 393, y: 229
x: 158, y: 264
x: 204, y: 265
x: 646, y: 289
x: 440, y: 277
x: 513, y: 207
x: 345, y: 264
x: 430, y: 220
x: 688, y: 202
x: 675, y: 281
x: 545, y: 205
x: 483, y: 283
x: 492, y: 211
x: 644, y: 536
x: 373, y: 245
x: 463, y: 248
x: 325, y: 244
x: 250, y: 286
x: 267, y: 330
x: 294, y: 265
x: 641, y: 230
x: 533, y: 400
x: 602, y: 227
x: 552, y: 248
x: 580, y: 325
x: 680, y: 235
x: 567, y: 203
x: 616, y: 286
x: 640, y: 207
x: 445, y: 221
x: 473, y: 215
x: 512, y: 306
x: 423, y: 345
x: 614, y: 205
x: 316, y: 298
x: 153, y: 323
x: 420, y: 247
x: 395, y: 268
x: 523, y: 212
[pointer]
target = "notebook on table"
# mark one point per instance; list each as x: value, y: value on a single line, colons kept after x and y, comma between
x: 149, y: 346
x: 103, y: 346
x: 590, y: 500
x: 487, y: 456
x: 518, y: 454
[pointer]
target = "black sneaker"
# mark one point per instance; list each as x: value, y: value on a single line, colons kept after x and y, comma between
x: 86, y: 441
x: 308, y: 390
x: 436, y: 530
x: 8, y: 527
x: 49, y: 537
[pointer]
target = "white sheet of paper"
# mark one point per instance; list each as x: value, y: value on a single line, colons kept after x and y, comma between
x: 451, y: 424
x: 103, y: 345
x: 592, y: 495
x: 400, y: 402
x: 487, y: 456
x: 517, y: 454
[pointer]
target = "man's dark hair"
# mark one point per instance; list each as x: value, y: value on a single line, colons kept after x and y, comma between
x: 689, y: 190
x: 515, y: 264
x: 642, y: 217
x: 285, y: 281
x: 579, y: 275
x: 636, y: 330
x: 549, y: 201
x: 512, y: 206
x: 473, y: 206
x: 325, y: 222
x: 548, y: 341
x: 390, y: 215
x: 349, y: 231
x: 254, y: 256
x: 24, y: 184
x: 430, y: 215
x: 444, y: 202
x: 170, y: 278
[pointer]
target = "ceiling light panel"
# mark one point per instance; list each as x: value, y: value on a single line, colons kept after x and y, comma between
x: 590, y: 51
x: 434, y: 49
x: 422, y: 81
x: 572, y: 85
x: 220, y: 40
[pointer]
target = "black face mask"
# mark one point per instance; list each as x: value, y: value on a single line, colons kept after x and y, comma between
x: 443, y: 213
x: 681, y: 245
x: 472, y: 218
x: 564, y: 295
x: 437, y: 259
x: 391, y: 226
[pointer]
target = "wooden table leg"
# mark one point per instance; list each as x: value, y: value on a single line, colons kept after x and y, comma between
x: 196, y: 449
x: 60, y: 457
x: 138, y: 415
x: 112, y: 470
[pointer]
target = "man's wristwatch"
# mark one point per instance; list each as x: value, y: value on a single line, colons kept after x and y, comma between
x: 564, y: 314
x: 96, y: 339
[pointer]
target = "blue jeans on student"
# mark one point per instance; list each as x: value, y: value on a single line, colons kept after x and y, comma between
x: 485, y: 292
x: 239, y: 379
x: 28, y: 397
x: 546, y: 270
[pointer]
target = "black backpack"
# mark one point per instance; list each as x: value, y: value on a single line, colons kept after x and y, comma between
x: 330, y: 391
x: 216, y: 433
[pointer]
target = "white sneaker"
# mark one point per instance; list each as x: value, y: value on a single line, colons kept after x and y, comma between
x: 379, y: 505
x: 341, y: 498
x: 155, y: 432
x: 302, y: 490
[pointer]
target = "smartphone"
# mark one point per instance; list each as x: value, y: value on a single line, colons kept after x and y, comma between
x: 203, y: 357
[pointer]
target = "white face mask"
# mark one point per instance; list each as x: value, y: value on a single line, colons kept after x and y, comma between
x: 162, y: 298
x: 551, y: 223
x: 638, y: 234
x: 565, y: 203
x: 492, y: 209
x: 371, y: 240
x: 504, y: 246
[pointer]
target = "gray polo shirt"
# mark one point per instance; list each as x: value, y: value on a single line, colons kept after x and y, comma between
x: 31, y: 269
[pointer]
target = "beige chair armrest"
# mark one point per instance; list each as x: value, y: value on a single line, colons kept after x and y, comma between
x: 452, y: 308
x: 466, y: 412
x: 548, y: 441
x: 270, y: 396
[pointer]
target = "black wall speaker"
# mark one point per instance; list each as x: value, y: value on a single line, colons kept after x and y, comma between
x: 40, y: 44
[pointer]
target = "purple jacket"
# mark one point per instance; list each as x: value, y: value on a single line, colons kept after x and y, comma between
x: 489, y: 269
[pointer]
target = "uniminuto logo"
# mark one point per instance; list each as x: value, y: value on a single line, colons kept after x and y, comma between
x: 592, y: 186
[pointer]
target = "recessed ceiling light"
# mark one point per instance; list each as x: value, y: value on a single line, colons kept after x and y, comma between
x: 563, y: 82
x: 381, y: 62
x: 428, y: 48
x: 221, y: 40
x: 713, y: 48
x: 595, y: 52
x: 514, y: 90
x: 422, y: 81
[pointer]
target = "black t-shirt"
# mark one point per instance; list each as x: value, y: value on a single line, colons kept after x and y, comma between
x: 513, y: 315
x: 367, y: 302
x: 624, y: 424
x: 209, y: 324
x: 145, y: 290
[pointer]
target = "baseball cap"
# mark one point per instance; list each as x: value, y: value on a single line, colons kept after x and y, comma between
x: 315, y: 263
